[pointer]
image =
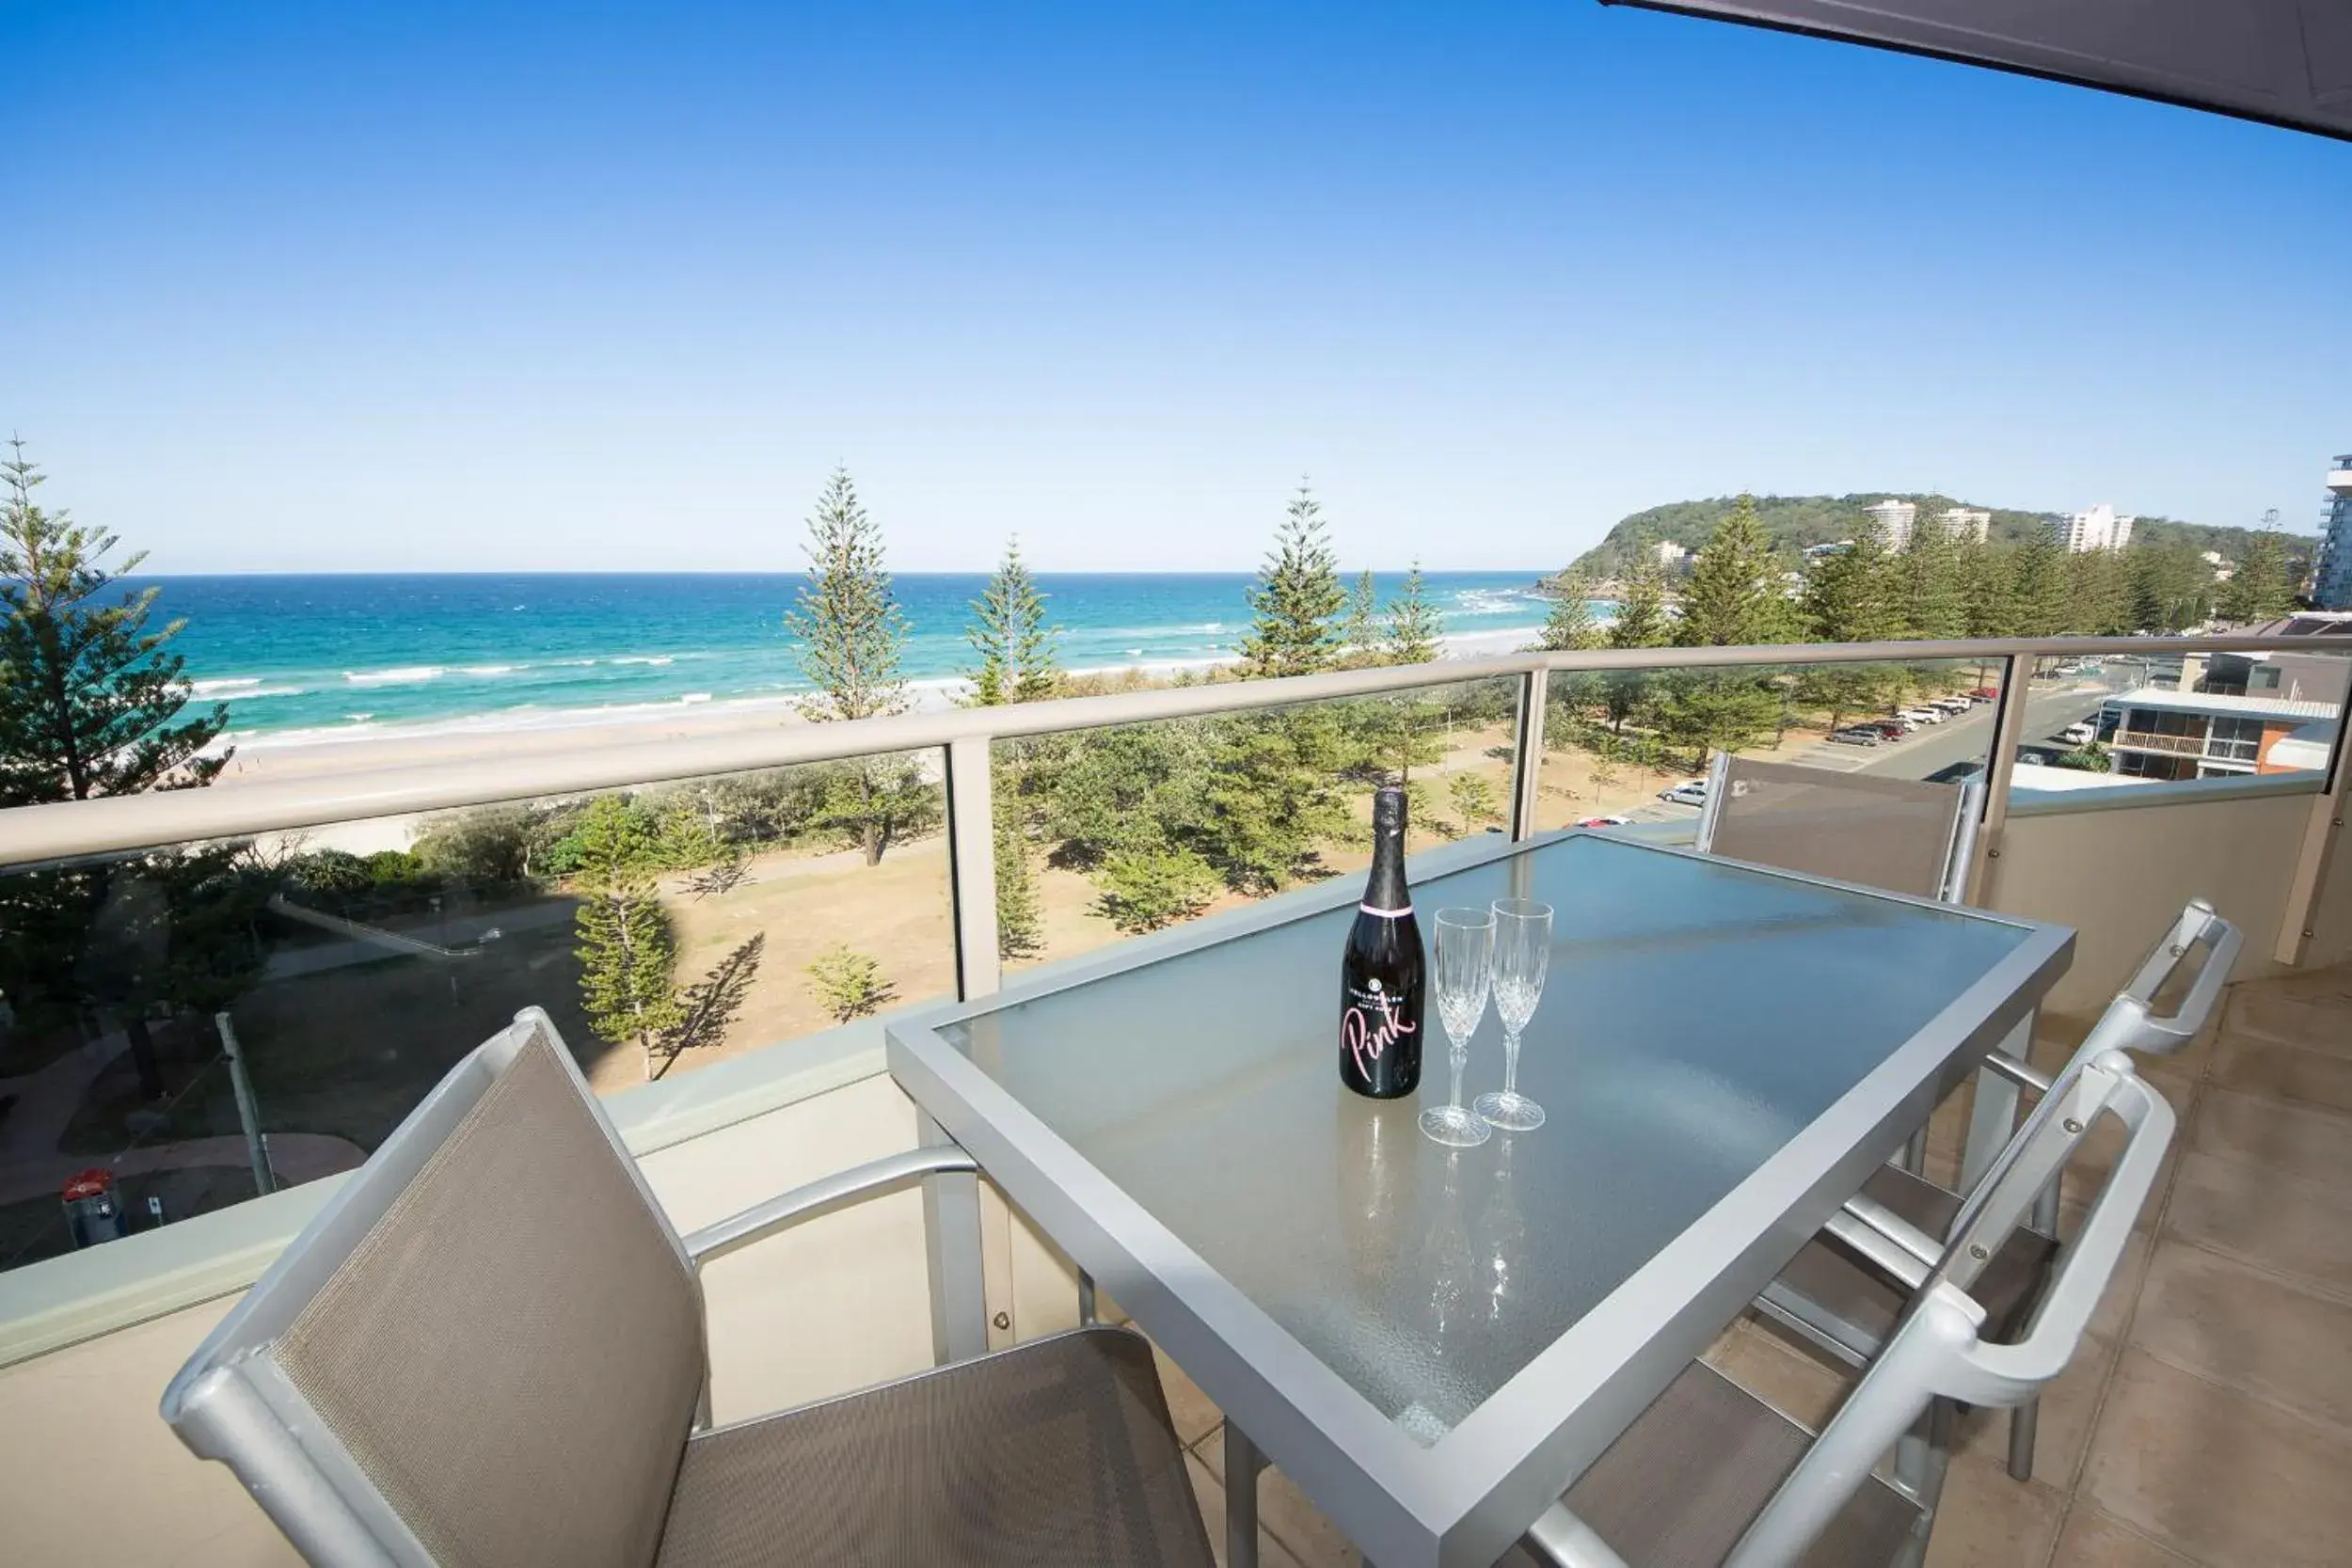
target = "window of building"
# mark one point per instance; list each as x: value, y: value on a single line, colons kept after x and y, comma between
x: 2238, y: 739
x: 2155, y: 765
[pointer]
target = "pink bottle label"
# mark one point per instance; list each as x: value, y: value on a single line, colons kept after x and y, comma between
x: 1370, y: 1026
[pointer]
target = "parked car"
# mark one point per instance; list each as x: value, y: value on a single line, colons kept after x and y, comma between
x: 1857, y: 735
x: 1986, y: 694
x: 1892, y: 729
x: 1691, y: 792
x: 1604, y: 821
x: 1954, y: 704
x: 1925, y: 714
x: 1901, y: 722
x: 2080, y: 733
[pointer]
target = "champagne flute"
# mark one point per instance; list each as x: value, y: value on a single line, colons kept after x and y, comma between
x: 1464, y: 974
x: 1522, y: 954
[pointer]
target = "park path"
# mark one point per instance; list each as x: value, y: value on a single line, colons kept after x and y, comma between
x: 32, y: 1165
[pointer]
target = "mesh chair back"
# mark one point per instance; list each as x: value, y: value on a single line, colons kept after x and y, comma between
x: 1900, y: 834
x: 496, y: 1343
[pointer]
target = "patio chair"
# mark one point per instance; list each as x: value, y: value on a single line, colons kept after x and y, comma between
x: 1905, y: 835
x: 1835, y: 1298
x: 1711, y: 1475
x: 489, y: 1350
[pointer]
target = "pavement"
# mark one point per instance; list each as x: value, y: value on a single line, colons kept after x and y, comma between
x: 32, y: 1165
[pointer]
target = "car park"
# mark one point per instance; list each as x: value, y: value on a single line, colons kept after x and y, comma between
x: 1691, y: 792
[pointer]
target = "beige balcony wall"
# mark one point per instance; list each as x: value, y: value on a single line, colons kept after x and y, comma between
x: 89, y: 1473
x: 2331, y: 909
x: 2118, y: 875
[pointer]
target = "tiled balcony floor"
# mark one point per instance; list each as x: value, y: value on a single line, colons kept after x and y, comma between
x: 2207, y: 1423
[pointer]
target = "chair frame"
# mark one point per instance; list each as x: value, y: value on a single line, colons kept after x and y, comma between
x: 1889, y: 1244
x: 233, y: 1403
x: 1936, y: 1356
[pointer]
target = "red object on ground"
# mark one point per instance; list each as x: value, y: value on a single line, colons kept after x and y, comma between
x: 90, y: 1184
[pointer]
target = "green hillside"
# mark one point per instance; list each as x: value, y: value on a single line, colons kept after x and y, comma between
x: 1796, y: 521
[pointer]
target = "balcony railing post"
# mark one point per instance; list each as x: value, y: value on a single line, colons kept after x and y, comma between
x: 2009, y: 731
x: 2320, y: 833
x: 972, y: 866
x: 1527, y: 752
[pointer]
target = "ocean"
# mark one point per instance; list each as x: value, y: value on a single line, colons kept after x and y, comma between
x: 325, y: 657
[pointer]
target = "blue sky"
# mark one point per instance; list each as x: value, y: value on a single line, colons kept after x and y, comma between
x: 434, y: 286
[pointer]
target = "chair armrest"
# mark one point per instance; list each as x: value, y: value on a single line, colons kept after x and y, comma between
x: 2012, y: 1373
x: 1564, y: 1541
x: 1887, y: 1240
x: 2018, y: 1073
x: 822, y: 1197
x: 2129, y: 1025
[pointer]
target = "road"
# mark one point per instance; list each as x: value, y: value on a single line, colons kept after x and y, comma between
x: 1966, y: 739
x: 1932, y: 747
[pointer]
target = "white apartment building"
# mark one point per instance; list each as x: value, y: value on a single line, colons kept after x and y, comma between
x: 1670, y: 554
x: 1894, y: 519
x: 2098, y: 528
x: 1965, y: 522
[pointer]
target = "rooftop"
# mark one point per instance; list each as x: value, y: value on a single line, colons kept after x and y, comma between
x: 2166, y: 700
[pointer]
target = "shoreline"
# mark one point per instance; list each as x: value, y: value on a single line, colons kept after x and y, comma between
x: 282, y: 754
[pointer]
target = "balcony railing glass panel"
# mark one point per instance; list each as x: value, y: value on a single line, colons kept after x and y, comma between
x: 2168, y: 718
x: 1110, y: 832
x: 664, y: 929
x: 1630, y: 743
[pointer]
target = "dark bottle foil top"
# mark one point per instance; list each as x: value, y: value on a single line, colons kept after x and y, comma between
x: 1388, y: 812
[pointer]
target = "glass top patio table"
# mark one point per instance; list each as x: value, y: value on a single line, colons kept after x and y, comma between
x: 1724, y: 1053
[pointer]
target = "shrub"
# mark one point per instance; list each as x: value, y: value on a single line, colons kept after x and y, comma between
x: 1143, y: 889
x: 849, y: 984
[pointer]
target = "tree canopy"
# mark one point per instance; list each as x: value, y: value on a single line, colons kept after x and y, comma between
x: 1009, y: 634
x: 1298, y: 598
x: 90, y: 697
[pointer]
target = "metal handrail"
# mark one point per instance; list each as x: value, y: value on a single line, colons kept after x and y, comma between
x: 45, y: 832
x: 34, y: 836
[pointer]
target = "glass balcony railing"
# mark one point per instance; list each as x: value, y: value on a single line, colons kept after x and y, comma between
x: 764, y: 888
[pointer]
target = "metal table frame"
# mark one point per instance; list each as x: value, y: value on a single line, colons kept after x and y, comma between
x: 1467, y: 1499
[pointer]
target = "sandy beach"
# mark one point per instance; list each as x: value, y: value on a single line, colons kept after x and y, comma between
x: 365, y: 749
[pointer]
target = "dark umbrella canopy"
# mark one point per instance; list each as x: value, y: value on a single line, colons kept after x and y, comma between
x: 2288, y: 62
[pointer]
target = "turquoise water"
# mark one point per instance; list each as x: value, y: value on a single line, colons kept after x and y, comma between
x: 344, y: 656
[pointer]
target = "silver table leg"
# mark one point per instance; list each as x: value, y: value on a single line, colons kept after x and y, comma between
x: 1993, y: 1120
x: 1242, y: 1464
x: 951, y: 1236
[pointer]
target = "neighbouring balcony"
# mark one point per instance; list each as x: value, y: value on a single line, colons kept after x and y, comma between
x: 2180, y: 745
x: 2209, y: 1419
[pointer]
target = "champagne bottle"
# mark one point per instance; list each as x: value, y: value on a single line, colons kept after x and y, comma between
x: 1382, y: 976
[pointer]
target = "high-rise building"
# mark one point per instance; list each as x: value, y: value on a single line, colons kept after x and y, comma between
x: 1966, y: 522
x: 1894, y: 519
x: 2098, y: 528
x: 2331, y: 586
